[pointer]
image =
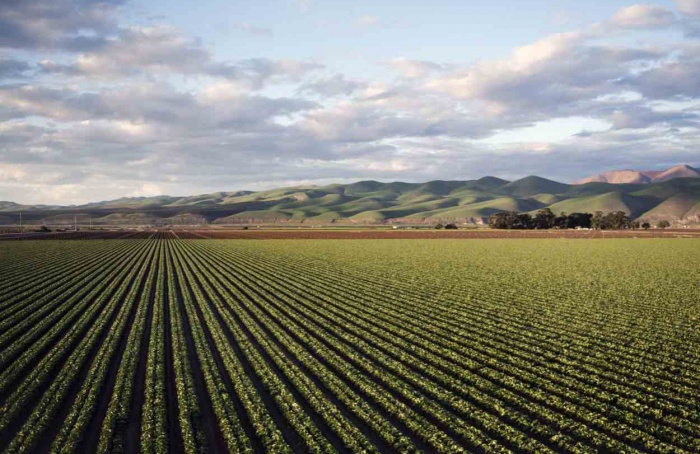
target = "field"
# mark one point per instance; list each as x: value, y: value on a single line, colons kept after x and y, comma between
x: 347, y: 234
x: 506, y: 345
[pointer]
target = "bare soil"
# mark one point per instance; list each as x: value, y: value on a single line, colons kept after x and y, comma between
x: 354, y: 234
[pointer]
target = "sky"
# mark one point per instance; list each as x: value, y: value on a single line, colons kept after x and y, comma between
x: 102, y: 99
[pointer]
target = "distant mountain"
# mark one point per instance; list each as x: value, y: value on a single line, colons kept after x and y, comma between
x: 675, y: 196
x: 12, y: 206
x: 642, y: 176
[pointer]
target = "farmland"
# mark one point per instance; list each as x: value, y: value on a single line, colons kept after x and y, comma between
x: 348, y: 234
x: 160, y: 343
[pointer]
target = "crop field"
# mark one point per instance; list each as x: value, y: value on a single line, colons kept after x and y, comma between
x: 307, y: 233
x: 506, y: 345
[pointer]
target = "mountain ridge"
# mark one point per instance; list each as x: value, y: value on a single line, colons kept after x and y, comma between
x: 374, y: 202
x: 631, y: 176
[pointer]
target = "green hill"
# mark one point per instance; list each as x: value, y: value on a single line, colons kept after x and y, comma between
x: 611, y: 201
x: 376, y: 202
x: 675, y: 207
x: 532, y: 185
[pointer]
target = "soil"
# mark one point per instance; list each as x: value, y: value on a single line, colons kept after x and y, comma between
x: 359, y: 234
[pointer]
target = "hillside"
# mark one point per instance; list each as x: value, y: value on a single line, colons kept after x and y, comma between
x: 373, y: 202
x: 629, y: 176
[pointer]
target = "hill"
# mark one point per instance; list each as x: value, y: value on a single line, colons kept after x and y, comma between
x: 642, y: 176
x: 373, y: 202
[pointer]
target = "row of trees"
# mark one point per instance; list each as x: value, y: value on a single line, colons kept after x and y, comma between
x: 446, y: 227
x: 546, y: 219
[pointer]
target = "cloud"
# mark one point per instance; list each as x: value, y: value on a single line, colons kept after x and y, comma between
x: 381, y: 115
x: 147, y: 190
x: 367, y: 21
x: 12, y: 174
x: 258, y: 71
x: 94, y: 108
x: 304, y: 5
x: 140, y: 49
x: 670, y: 79
x: 252, y: 29
x: 147, y: 103
x: 414, y: 68
x: 552, y: 76
x: 31, y: 24
x: 641, y: 117
x: 13, y: 69
x: 331, y: 86
x: 643, y: 17
x: 162, y: 50
x: 689, y: 7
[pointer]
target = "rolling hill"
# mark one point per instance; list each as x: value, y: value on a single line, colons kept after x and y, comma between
x: 374, y: 202
x: 630, y: 176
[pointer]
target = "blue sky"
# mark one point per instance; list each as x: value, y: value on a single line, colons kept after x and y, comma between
x: 101, y: 99
x: 449, y: 31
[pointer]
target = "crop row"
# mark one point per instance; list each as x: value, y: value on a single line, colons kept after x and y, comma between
x: 172, y: 345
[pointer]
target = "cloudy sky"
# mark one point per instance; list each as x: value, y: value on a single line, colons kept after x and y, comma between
x: 101, y: 99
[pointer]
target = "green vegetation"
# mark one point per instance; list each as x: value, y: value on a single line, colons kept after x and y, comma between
x: 546, y: 219
x: 373, y: 202
x: 350, y: 346
x: 663, y: 224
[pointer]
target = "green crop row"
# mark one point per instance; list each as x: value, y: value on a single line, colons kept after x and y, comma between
x: 173, y: 345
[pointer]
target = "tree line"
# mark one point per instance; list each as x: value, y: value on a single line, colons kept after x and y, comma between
x: 546, y: 219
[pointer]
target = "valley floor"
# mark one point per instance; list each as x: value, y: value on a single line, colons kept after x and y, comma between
x: 268, y: 233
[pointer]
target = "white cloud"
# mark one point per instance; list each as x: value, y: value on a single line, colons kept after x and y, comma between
x: 367, y: 21
x: 689, y: 7
x: 413, y: 69
x: 148, y: 110
x: 10, y: 173
x: 560, y: 75
x: 643, y: 16
x: 158, y: 48
x: 393, y: 165
x: 331, y: 86
x: 147, y: 190
x: 162, y: 50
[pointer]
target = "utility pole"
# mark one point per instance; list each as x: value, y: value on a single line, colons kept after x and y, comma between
x: 20, y: 222
x: 75, y: 223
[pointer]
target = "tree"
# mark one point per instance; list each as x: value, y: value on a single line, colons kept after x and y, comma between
x: 439, y: 226
x: 635, y: 224
x: 498, y: 221
x: 544, y: 219
x: 597, y: 220
x: 503, y: 220
x: 663, y: 224
x: 582, y: 220
x: 525, y: 221
x: 561, y: 221
x: 451, y: 227
x: 646, y: 225
x: 511, y: 220
x: 615, y: 220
